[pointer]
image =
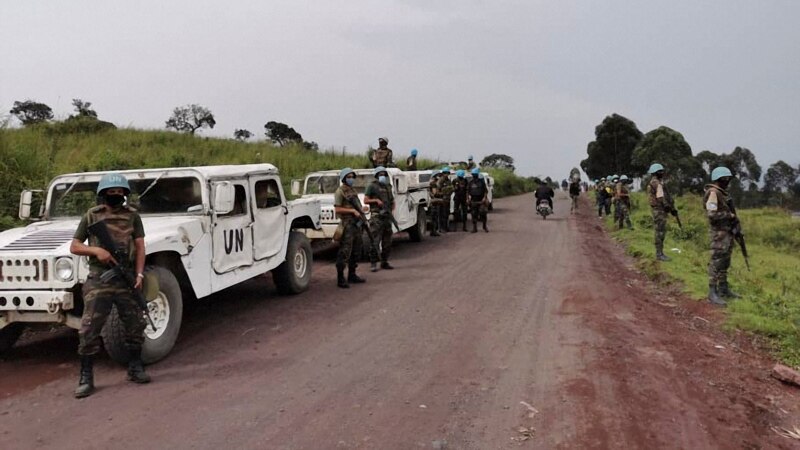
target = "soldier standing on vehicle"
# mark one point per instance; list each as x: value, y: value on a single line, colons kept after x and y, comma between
x: 478, y: 200
x: 574, y: 192
x: 380, y: 199
x: 411, y: 161
x: 446, y: 191
x: 660, y: 205
x: 382, y: 157
x: 470, y: 163
x: 436, y: 202
x: 346, y: 205
x: 125, y: 227
x: 722, y: 220
x: 460, y: 198
x: 623, y: 200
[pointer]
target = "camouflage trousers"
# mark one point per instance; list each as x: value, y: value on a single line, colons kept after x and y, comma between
x: 478, y: 212
x: 660, y: 222
x: 624, y: 215
x: 382, y: 232
x: 349, y: 245
x: 460, y: 211
x: 434, y: 209
x: 98, y: 298
x: 444, y: 215
x: 721, y: 250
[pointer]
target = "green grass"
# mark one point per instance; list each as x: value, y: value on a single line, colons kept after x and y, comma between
x: 771, y: 291
x: 30, y: 157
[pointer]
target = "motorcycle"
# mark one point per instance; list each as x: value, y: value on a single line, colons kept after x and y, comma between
x: 543, y: 209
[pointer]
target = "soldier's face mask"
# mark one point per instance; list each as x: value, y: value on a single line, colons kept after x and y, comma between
x: 382, y: 179
x: 724, y: 182
x: 114, y: 200
x: 350, y: 181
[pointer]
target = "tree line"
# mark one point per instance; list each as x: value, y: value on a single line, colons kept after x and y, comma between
x: 620, y: 148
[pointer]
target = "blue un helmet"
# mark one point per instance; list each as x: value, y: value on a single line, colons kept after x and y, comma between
x: 113, y: 180
x: 378, y: 170
x: 445, y: 169
x: 476, y: 171
x: 460, y: 173
x: 720, y: 172
x: 344, y: 172
x: 623, y: 178
x: 656, y: 167
x: 413, y: 152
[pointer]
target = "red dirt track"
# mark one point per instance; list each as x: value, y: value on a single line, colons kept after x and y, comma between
x: 444, y: 348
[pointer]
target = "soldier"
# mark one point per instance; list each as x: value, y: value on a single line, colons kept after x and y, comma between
x: 460, y: 198
x: 433, y: 190
x: 722, y: 221
x: 574, y: 192
x: 382, y: 157
x: 345, y: 202
x: 125, y: 227
x: 470, y: 163
x: 411, y: 161
x: 660, y: 205
x: 613, y: 195
x: 380, y: 199
x: 601, y: 196
x: 446, y: 192
x: 478, y: 200
x: 609, y: 188
x: 623, y: 200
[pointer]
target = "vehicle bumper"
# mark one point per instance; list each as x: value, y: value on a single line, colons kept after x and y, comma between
x: 37, y: 307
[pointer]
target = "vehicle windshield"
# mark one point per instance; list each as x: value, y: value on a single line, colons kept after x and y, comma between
x: 327, y: 184
x: 168, y: 195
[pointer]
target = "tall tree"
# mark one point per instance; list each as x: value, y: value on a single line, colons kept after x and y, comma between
x: 84, y: 109
x: 242, y: 134
x: 780, y: 177
x: 499, y: 160
x: 191, y: 118
x: 282, y: 134
x: 668, y: 147
x: 611, y: 150
x: 30, y: 112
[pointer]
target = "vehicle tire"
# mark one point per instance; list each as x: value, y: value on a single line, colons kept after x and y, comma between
x: 419, y: 230
x: 167, y: 313
x: 294, y: 275
x: 9, y: 336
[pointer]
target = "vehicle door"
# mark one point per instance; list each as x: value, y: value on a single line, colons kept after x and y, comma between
x: 269, y: 214
x: 232, y: 238
x: 403, y: 204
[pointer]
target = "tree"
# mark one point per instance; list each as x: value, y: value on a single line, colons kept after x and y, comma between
x: 615, y: 139
x: 282, y: 134
x: 668, y: 147
x: 311, y: 146
x: 84, y: 109
x: 191, y: 118
x: 780, y: 177
x: 30, y: 112
x: 242, y: 134
x: 499, y: 161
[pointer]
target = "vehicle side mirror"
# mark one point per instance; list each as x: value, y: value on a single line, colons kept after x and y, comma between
x: 224, y: 197
x: 25, y: 201
x: 402, y: 185
x: 297, y: 187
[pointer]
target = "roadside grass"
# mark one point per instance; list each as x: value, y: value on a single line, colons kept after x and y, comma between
x: 770, y: 303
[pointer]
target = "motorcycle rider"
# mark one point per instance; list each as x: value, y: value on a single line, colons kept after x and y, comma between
x: 544, y: 192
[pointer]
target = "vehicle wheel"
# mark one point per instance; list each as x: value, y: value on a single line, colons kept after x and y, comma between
x: 418, y: 231
x: 167, y: 313
x: 294, y: 275
x: 9, y: 336
x: 491, y: 206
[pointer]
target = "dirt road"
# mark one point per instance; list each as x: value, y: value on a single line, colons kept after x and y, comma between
x: 444, y: 348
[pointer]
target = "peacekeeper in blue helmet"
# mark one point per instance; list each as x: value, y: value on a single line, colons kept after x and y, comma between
x: 126, y: 229
x: 471, y: 163
x: 478, y: 200
x: 722, y: 220
x: 660, y: 205
x: 380, y: 198
x: 346, y: 205
x: 411, y: 161
x: 460, y: 198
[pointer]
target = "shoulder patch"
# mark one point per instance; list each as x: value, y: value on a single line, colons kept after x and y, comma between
x: 711, y: 202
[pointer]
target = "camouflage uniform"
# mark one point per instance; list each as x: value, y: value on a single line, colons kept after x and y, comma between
x: 382, y: 157
x: 471, y: 165
x: 411, y: 163
x: 600, y: 193
x: 460, y: 201
x: 436, y: 205
x: 446, y: 192
x: 477, y: 190
x: 351, y: 242
x: 379, y: 222
x: 124, y: 225
x: 623, y: 200
x: 660, y: 205
x: 722, y: 219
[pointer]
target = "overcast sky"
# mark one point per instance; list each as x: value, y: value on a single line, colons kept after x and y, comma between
x: 527, y: 78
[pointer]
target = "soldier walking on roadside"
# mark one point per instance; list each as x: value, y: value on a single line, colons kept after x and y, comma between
x: 660, y: 205
x: 345, y: 202
x: 478, y: 200
x: 411, y: 161
x: 382, y: 157
x: 380, y: 199
x: 125, y: 227
x: 600, y: 193
x: 722, y: 220
x: 460, y: 198
x: 623, y: 200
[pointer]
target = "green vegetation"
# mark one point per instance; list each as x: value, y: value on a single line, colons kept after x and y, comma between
x: 31, y: 156
x: 771, y: 291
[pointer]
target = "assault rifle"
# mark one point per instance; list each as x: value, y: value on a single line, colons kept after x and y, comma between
x: 677, y: 217
x: 121, y: 269
x: 361, y: 217
x: 385, y: 210
x: 738, y: 235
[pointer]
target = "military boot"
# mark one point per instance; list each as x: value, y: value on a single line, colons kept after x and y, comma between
x: 374, y: 267
x: 725, y: 290
x: 464, y: 225
x: 341, y: 281
x: 353, y: 278
x: 136, y: 371
x: 485, y: 228
x: 713, y: 296
x: 474, y: 227
x: 86, y: 382
x: 386, y: 265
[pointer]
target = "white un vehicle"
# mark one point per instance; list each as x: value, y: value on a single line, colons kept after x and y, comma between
x: 410, y: 190
x: 206, y: 228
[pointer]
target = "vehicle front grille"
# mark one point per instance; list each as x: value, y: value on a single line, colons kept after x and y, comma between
x: 17, y: 270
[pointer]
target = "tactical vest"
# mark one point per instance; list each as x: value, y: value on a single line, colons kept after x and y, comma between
x: 476, y: 189
x: 119, y: 223
x: 652, y: 190
x: 382, y: 157
x: 384, y: 194
x: 349, y: 193
x: 460, y: 188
